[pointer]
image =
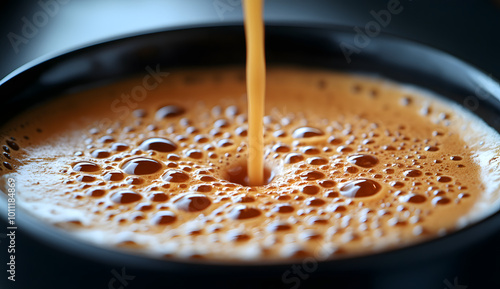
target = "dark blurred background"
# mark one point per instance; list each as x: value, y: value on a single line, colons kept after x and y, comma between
x: 31, y: 29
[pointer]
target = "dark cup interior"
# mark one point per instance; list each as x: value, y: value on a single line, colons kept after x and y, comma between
x: 50, y: 258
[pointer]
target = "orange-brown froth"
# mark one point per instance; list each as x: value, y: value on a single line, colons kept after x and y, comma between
x: 356, y: 165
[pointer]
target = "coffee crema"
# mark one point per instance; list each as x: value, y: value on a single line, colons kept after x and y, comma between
x: 355, y: 165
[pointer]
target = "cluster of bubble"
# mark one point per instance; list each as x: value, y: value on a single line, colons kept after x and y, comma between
x: 10, y: 144
x: 337, y: 182
x: 340, y: 182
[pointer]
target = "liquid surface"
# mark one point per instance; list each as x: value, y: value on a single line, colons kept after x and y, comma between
x: 356, y: 165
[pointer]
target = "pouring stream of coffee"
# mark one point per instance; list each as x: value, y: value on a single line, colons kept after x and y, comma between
x: 256, y: 80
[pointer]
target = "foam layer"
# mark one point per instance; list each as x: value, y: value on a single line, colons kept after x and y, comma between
x: 357, y: 165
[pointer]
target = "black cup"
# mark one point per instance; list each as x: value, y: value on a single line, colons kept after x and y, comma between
x: 47, y: 257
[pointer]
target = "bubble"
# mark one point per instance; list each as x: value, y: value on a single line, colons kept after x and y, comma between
x: 455, y: 158
x: 100, y: 154
x: 237, y: 236
x: 13, y: 145
x: 221, y: 123
x: 283, y: 208
x: 344, y: 149
x: 158, y: 197
x: 318, y: 221
x: 360, y: 188
x: 406, y: 101
x: 293, y: 158
x: 364, y: 161
x: 310, y: 150
x: 327, y: 183
x: 113, y: 176
x: 232, y: 111
x: 317, y: 161
x: 397, y: 184
x: 6, y: 148
x: 356, y: 88
x: 333, y: 140
x: 192, y: 202
x: 106, y: 139
x: 444, y: 179
x: 351, y: 170
x: 310, y: 189
x: 7, y: 165
x: 315, y: 202
x: 203, y: 188
x: 431, y: 148
x: 312, y: 175
x: 141, y: 166
x: 200, y: 138
x: 164, y: 218
x: 388, y: 148
x: 439, y: 193
x: 87, y: 167
x: 440, y: 201
x: 175, y: 176
x: 278, y: 226
x: 389, y: 171
x: 207, y: 179
x: 412, y: 173
x: 137, y: 216
x: 86, y: 179
x: 280, y: 148
x: 134, y: 181
x: 241, y: 131
x: 294, y: 251
x: 96, y: 192
x: 321, y: 84
x: 119, y: 147
x: 169, y: 111
x: 191, y: 130
x: 125, y: 197
x: 415, y: 199
x: 307, y: 132
x: 224, y: 143
x: 173, y: 157
x: 279, y: 133
x: 242, y: 212
x: 338, y: 208
x: 158, y: 144
x: 244, y: 199
x: 143, y: 207
x: 194, y: 154
x: 139, y: 113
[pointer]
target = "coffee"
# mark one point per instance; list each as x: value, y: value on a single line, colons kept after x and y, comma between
x: 354, y: 164
x: 256, y: 83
